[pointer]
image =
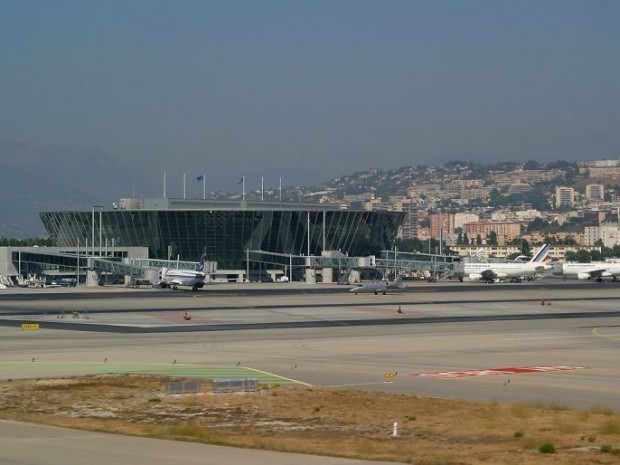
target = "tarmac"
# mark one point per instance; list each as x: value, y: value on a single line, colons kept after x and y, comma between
x: 551, y: 343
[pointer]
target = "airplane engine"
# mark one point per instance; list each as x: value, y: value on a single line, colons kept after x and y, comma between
x: 584, y: 275
x: 475, y: 277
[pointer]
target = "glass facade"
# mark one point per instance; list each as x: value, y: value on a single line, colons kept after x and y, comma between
x: 226, y: 234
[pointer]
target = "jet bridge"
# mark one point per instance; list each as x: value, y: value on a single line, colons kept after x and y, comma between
x: 310, y: 264
x: 431, y: 265
x: 209, y: 267
x: 133, y: 272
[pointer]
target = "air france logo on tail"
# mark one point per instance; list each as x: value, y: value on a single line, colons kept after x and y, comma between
x: 542, y: 254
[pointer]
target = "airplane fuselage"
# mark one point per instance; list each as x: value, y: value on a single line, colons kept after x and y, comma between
x: 502, y: 271
x: 193, y: 279
x: 597, y: 271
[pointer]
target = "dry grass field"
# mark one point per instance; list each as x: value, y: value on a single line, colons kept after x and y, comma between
x: 322, y: 421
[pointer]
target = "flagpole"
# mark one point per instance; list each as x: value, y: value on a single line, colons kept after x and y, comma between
x: 164, y: 184
x: 262, y: 189
x: 204, y: 186
x: 242, y: 187
x: 280, y: 190
x: 183, y: 185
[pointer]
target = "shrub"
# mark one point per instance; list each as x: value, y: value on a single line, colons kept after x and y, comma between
x: 546, y: 448
x: 518, y: 434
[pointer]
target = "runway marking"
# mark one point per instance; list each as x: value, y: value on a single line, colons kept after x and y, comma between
x: 62, y: 369
x: 266, y: 373
x: 596, y: 332
x: 497, y: 371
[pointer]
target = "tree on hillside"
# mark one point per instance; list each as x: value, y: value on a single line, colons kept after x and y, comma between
x: 495, y: 198
x: 531, y: 165
x: 580, y: 256
x: 492, y: 238
x: 596, y: 256
x: 537, y: 224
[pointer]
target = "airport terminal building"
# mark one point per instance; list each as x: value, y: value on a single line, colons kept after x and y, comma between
x: 226, y: 229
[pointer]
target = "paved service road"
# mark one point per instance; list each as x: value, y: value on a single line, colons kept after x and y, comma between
x: 27, y: 444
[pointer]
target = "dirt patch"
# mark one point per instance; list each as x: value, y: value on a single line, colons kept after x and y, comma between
x: 320, y: 421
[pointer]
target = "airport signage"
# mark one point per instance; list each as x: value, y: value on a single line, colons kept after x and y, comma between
x: 30, y: 326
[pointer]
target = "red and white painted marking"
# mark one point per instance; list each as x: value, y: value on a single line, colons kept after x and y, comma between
x: 497, y: 371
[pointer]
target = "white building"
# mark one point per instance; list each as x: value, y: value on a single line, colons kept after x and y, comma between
x: 609, y: 233
x: 528, y: 215
x: 595, y: 192
x: 463, y: 218
x: 564, y: 197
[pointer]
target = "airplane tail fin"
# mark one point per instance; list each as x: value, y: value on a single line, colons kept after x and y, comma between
x: 542, y: 254
x: 479, y: 253
x: 202, y: 261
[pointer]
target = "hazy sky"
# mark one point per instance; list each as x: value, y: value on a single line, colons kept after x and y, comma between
x: 310, y: 90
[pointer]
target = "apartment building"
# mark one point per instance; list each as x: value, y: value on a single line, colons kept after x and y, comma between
x: 564, y: 197
x: 505, y: 231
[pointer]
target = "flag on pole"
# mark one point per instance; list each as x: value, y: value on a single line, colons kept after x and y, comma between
x: 200, y: 178
x: 242, y: 182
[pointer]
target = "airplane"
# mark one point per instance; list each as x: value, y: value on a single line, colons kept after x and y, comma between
x: 513, y: 271
x: 173, y: 278
x: 381, y: 287
x: 596, y: 270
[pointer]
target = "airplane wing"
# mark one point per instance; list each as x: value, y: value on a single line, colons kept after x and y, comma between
x: 597, y: 273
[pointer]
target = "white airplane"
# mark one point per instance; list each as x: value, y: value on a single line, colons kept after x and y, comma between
x: 513, y: 271
x: 174, y: 278
x: 381, y: 287
x: 596, y: 270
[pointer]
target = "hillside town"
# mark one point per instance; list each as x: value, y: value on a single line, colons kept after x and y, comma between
x: 466, y: 205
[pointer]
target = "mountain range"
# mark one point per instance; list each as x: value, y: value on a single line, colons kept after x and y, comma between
x: 54, y: 178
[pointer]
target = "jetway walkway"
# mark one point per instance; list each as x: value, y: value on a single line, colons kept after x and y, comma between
x: 312, y: 261
x: 436, y: 265
x: 210, y: 267
x: 115, y: 267
x: 74, y: 265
